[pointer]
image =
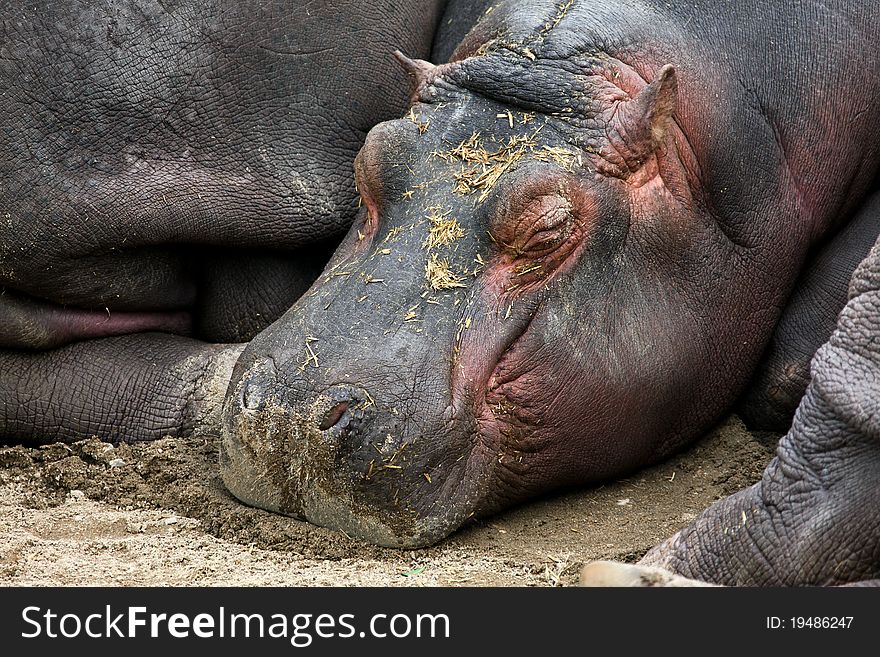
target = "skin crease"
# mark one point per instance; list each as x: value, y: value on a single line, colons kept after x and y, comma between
x: 807, y: 322
x: 174, y: 176
x: 669, y: 247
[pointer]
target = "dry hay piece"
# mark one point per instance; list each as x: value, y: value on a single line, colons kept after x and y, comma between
x: 561, y: 156
x: 481, y: 169
x: 440, y: 276
x: 443, y: 230
x: 484, y: 169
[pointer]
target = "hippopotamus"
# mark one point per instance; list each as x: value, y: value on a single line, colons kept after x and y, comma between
x: 812, y: 517
x: 173, y: 175
x: 592, y: 227
x: 570, y: 258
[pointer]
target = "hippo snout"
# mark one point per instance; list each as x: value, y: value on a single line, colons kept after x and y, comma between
x: 339, y: 456
x: 340, y: 413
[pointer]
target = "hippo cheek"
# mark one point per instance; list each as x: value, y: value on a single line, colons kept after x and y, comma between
x: 340, y: 459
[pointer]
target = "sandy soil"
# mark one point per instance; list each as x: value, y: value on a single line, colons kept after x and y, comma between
x: 157, y: 514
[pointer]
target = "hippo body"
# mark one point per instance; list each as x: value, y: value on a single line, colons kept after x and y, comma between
x: 571, y: 255
x: 174, y: 175
x: 812, y: 519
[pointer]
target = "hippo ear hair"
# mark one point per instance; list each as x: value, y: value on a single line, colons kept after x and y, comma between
x: 639, y: 126
x: 418, y: 70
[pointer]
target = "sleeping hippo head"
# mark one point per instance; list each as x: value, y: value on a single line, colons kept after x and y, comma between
x: 525, y: 303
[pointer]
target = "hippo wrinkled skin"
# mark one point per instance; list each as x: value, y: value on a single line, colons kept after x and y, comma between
x: 597, y: 226
x: 173, y: 175
x: 812, y: 518
x: 570, y: 257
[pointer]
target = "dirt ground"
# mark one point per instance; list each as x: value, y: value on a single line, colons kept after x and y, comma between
x: 157, y: 514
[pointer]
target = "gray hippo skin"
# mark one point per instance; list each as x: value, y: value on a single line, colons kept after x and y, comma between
x: 813, y: 517
x: 170, y: 175
x: 571, y: 255
x: 807, y: 322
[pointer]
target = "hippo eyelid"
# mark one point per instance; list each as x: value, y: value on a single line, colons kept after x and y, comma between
x: 542, y: 223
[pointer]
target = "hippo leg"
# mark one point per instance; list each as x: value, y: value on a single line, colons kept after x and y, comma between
x: 128, y: 388
x: 814, y: 517
x: 806, y: 323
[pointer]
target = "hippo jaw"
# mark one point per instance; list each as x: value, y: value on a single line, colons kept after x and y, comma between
x: 315, y: 495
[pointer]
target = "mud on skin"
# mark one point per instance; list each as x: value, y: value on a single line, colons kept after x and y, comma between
x: 559, y: 274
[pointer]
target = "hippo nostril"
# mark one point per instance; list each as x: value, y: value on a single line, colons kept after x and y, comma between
x: 333, y: 416
x: 257, y: 385
x: 342, y: 412
x: 251, y: 396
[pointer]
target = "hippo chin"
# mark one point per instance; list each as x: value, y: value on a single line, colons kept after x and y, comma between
x: 569, y: 257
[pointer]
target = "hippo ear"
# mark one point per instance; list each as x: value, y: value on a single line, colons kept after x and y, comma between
x: 418, y: 70
x: 639, y: 126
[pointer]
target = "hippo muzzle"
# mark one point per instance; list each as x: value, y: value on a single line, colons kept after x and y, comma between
x: 335, y: 460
